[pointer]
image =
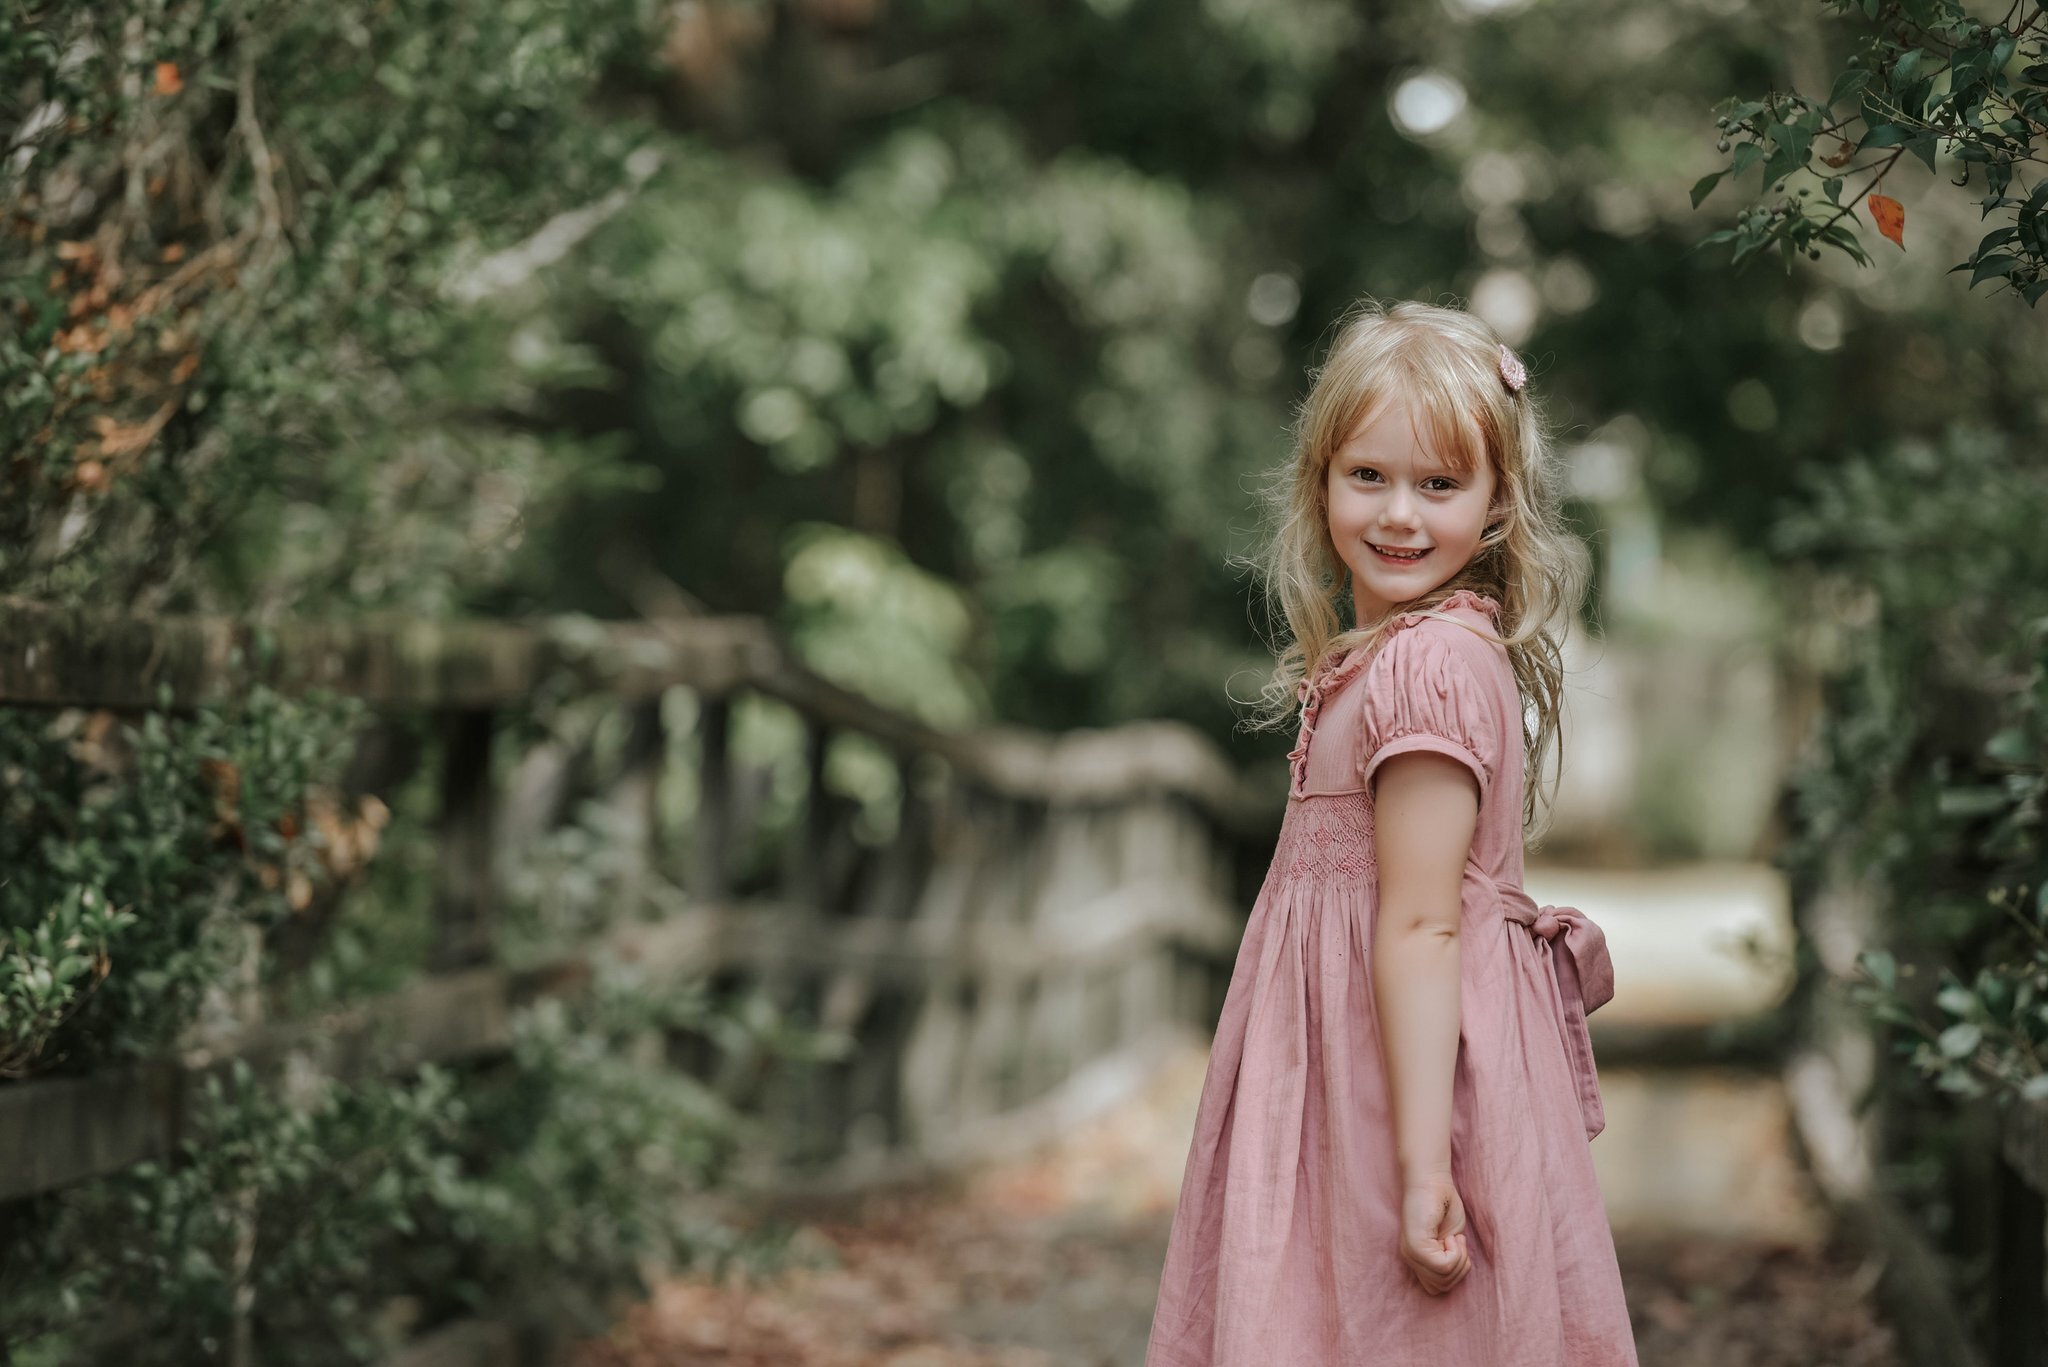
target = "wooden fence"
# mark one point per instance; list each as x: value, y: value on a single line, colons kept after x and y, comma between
x: 1048, y: 912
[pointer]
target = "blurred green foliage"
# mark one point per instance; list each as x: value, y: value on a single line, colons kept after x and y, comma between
x: 1932, y: 761
x: 323, y: 1226
x: 137, y: 857
x: 229, y: 233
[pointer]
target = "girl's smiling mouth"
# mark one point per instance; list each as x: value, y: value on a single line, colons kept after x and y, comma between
x: 1398, y: 556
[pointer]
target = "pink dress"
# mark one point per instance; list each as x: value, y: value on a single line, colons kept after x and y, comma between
x: 1284, y: 1244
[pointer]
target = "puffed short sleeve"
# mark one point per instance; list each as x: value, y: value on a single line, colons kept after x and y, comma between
x: 1434, y: 687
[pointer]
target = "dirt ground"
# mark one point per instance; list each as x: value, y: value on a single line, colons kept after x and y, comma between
x: 1054, y: 1261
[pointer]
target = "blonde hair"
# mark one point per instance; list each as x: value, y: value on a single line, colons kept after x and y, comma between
x: 1446, y: 361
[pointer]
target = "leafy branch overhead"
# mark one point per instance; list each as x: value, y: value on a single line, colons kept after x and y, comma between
x: 1926, y: 78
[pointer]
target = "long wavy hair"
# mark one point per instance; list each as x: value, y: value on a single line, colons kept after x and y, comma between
x: 1446, y: 361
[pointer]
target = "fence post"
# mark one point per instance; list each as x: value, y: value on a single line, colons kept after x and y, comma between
x: 639, y: 796
x: 708, y: 874
x: 2019, y: 1316
x: 465, y: 909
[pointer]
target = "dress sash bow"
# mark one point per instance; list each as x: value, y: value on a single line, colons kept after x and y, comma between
x: 1576, y: 951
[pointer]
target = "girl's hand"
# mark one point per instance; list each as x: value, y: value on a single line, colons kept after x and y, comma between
x: 1433, y: 1233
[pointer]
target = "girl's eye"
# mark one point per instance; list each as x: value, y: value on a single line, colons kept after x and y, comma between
x: 1435, y: 483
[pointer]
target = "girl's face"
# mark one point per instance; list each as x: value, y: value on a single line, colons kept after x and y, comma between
x: 1402, y: 521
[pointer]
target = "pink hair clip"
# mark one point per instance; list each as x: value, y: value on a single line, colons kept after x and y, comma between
x: 1511, y: 370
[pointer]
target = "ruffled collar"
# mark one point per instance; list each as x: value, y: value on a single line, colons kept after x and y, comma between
x: 1461, y: 598
x: 1337, y: 666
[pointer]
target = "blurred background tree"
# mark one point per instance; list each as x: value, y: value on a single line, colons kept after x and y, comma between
x: 928, y: 302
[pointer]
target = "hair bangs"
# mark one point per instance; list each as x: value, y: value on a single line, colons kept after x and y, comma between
x: 1358, y: 387
x: 1445, y: 421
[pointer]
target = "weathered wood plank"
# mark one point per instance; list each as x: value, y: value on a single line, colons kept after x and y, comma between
x: 60, y: 1131
x: 68, y: 657
x: 55, y: 657
x: 57, y: 1131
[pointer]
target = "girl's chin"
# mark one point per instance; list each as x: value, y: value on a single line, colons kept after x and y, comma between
x: 1419, y: 577
x: 1396, y: 587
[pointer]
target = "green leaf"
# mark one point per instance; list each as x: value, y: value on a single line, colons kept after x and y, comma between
x: 1990, y: 268
x: 1746, y: 156
x: 1881, y: 966
x: 1849, y: 84
x: 1956, y: 999
x: 1960, y: 1040
x: 1905, y: 70
x: 1704, y: 186
x: 1793, y: 141
x: 1883, y: 135
x: 2009, y: 746
x: 1956, y: 1080
x: 1981, y: 800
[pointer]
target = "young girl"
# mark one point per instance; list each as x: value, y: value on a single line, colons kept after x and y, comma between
x: 1390, y: 1165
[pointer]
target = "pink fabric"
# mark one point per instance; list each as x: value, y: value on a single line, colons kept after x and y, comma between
x: 1283, y: 1248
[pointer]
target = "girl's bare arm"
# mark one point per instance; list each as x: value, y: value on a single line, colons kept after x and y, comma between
x: 1426, y: 807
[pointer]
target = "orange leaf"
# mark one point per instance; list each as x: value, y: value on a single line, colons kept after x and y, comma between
x: 1841, y: 155
x: 1890, y: 217
x: 168, y: 82
x: 126, y: 440
x: 83, y: 338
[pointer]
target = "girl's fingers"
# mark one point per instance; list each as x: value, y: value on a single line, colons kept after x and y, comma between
x: 1438, y: 1280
